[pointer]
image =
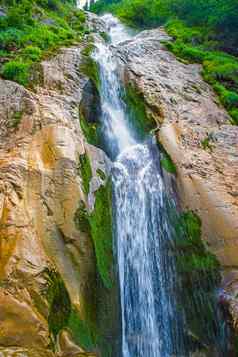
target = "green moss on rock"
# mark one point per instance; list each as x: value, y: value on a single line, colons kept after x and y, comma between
x: 59, y: 303
x: 138, y: 117
x: 101, y: 174
x: 16, y: 119
x: 85, y: 171
x: 81, y: 218
x: 101, y: 230
x: 82, y: 332
x: 90, y: 131
x: 165, y: 160
x: 88, y: 66
x: 199, y: 273
x: 99, y: 225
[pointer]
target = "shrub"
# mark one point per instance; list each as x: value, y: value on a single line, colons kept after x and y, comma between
x: 234, y: 114
x: 10, y: 39
x: 33, y: 28
x: 16, y: 71
x: 32, y: 53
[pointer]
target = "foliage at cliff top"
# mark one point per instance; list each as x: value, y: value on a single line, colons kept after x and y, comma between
x: 31, y: 30
x: 204, y: 31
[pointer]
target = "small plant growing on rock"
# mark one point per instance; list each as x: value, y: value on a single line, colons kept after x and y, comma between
x: 16, y: 71
x: 207, y: 142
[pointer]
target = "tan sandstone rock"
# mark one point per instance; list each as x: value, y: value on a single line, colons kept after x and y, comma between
x: 40, y: 190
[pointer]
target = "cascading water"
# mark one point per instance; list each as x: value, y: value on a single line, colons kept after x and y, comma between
x: 152, y: 325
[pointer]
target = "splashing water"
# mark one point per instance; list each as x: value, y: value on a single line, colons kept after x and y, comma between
x: 152, y: 326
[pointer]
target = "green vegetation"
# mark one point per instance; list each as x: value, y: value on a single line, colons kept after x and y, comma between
x: 165, y: 160
x: 16, y: 119
x: 16, y: 71
x: 138, y: 118
x: 101, y: 230
x: 101, y: 174
x: 98, y: 223
x: 199, y: 272
x: 207, y: 143
x: 32, y: 30
x: 85, y: 171
x: 81, y: 331
x: 81, y: 218
x: 59, y: 302
x: 88, y: 65
x: 90, y: 131
x: 204, y: 31
x: 63, y: 315
x: 193, y: 257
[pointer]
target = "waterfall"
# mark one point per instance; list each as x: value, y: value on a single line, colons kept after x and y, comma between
x: 152, y: 324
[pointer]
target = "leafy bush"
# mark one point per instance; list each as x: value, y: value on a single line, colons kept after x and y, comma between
x: 11, y: 39
x: 34, y: 28
x: 16, y: 71
x: 32, y: 53
x: 234, y: 115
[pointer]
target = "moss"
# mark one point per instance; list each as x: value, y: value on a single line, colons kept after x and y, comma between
x: 101, y: 230
x: 81, y: 330
x: 234, y: 114
x: 101, y: 174
x: 90, y: 131
x: 165, y: 160
x: 85, y: 172
x: 88, y: 66
x: 167, y: 163
x: 63, y: 315
x: 206, y: 143
x: 105, y: 36
x: 99, y: 225
x: 16, y: 119
x: 81, y: 218
x: 59, y: 302
x: 138, y: 118
x: 199, y: 272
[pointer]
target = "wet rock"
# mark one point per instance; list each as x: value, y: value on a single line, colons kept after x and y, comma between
x: 186, y: 110
x: 188, y: 115
x: 90, y: 106
x: 40, y: 190
x: 94, y: 23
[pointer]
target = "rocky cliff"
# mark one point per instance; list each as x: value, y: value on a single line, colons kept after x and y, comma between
x: 194, y: 129
x: 57, y: 286
x: 52, y: 183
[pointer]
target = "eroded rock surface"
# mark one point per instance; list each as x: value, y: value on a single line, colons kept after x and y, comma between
x: 195, y: 130
x: 47, y: 263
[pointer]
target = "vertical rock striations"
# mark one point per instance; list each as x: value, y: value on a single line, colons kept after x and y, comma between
x: 51, y: 186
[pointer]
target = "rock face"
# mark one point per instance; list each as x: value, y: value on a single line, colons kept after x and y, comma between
x: 48, y: 266
x: 195, y: 130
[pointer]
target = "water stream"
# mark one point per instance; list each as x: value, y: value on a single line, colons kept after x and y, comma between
x: 152, y: 325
